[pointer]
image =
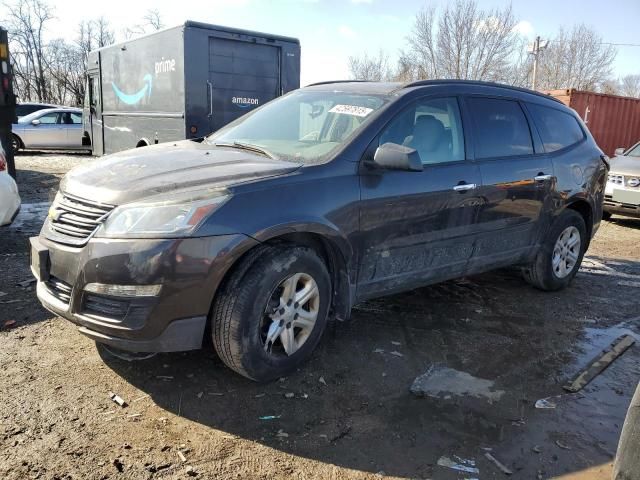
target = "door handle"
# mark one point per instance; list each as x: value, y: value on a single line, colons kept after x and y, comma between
x: 210, y: 87
x: 464, y: 187
x: 542, y: 178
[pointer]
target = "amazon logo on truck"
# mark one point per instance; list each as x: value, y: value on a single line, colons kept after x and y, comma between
x: 163, y: 66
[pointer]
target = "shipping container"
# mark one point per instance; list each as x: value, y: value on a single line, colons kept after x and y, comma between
x: 182, y: 82
x: 613, y: 121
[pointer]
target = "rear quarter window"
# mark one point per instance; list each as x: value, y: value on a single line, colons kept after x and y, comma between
x: 557, y: 129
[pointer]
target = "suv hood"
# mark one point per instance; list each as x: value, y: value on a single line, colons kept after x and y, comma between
x: 625, y: 165
x: 135, y: 174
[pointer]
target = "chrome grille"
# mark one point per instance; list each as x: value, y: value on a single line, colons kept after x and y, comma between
x: 616, y: 179
x: 73, y: 220
x: 59, y: 289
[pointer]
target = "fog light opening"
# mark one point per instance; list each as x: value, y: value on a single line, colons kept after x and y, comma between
x: 124, y: 290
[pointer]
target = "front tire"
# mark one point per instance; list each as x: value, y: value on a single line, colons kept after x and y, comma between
x: 269, y: 317
x: 560, y: 255
x: 16, y: 144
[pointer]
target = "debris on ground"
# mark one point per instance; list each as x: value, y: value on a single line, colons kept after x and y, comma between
x: 260, y: 395
x: 216, y: 394
x: 166, y: 378
x: 118, y: 464
x: 270, y: 417
x: 396, y: 354
x: 544, y: 403
x: 461, y: 464
x: 322, y: 381
x: 628, y: 283
x: 600, y: 363
x: 26, y: 283
x: 378, y: 350
x: 9, y: 324
x: 503, y: 468
x: 2, y: 294
x: 282, y: 434
x: 117, y: 399
x: 289, y: 395
x: 443, y: 382
x: 191, y: 471
x: 181, y: 456
x: 562, y: 445
x: 397, y: 344
x: 536, y: 449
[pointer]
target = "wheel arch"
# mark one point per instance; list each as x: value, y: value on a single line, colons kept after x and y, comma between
x: 19, y: 139
x: 143, y: 142
x: 584, y: 208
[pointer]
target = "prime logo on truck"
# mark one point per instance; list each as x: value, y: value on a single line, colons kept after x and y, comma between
x: 183, y: 82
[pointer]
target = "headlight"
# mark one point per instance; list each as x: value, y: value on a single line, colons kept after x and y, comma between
x: 177, y: 217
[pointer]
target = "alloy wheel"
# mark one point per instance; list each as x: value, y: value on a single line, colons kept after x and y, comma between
x: 566, y: 252
x: 290, y: 315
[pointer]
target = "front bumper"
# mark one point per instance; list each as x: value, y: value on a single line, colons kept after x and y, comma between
x: 627, y: 208
x: 189, y: 271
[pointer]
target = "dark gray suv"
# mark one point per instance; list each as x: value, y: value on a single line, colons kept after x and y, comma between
x: 325, y: 197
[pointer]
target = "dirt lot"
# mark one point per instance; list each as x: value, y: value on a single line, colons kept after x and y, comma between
x: 351, y: 414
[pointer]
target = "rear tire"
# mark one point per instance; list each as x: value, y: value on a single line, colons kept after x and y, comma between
x: 606, y: 215
x: 256, y: 330
x: 560, y: 255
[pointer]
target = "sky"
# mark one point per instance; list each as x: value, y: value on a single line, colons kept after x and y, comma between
x: 332, y: 30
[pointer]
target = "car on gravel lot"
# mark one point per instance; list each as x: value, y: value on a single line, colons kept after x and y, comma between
x: 333, y: 194
x: 622, y: 195
x: 49, y: 129
x: 9, y: 197
x: 24, y: 109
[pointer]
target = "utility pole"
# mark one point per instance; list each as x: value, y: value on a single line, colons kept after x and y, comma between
x: 535, y: 49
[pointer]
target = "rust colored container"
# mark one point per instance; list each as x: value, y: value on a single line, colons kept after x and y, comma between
x: 613, y: 121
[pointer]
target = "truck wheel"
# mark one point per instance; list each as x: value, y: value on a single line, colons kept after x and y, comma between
x: 606, y: 215
x: 269, y: 316
x: 560, y: 255
x: 16, y: 143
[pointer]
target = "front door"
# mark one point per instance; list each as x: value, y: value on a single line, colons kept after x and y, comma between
x: 516, y: 180
x: 45, y: 132
x: 419, y: 227
x: 242, y: 76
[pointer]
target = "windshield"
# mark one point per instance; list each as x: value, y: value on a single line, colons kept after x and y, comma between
x: 634, y: 152
x: 304, y: 126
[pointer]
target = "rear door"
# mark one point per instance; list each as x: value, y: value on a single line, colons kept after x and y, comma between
x: 517, y: 178
x: 242, y: 76
x: 419, y: 227
x: 72, y: 123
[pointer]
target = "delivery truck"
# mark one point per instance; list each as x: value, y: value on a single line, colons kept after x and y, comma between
x: 182, y: 82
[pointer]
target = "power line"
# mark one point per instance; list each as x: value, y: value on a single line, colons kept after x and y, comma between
x: 621, y: 44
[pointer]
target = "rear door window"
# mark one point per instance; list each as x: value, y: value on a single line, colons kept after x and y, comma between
x: 500, y: 128
x: 557, y: 129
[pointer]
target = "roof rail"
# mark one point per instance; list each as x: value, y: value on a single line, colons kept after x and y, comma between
x: 328, y: 82
x: 422, y: 83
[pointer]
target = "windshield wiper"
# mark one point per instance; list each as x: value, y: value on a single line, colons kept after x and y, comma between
x: 247, y: 146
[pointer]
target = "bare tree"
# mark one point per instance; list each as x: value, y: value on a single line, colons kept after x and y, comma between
x: 463, y: 42
x: 630, y: 86
x: 104, y: 35
x: 575, y: 59
x: 373, y: 68
x: 153, y: 19
x: 26, y: 22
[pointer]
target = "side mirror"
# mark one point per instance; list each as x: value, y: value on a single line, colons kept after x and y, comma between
x: 397, y: 157
x: 619, y: 151
x: 35, y: 122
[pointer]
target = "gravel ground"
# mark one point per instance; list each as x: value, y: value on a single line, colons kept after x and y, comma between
x: 351, y: 414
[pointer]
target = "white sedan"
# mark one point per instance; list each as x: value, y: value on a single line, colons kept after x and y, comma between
x: 49, y: 129
x: 9, y: 197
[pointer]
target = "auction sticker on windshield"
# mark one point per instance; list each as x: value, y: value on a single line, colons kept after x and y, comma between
x: 351, y: 110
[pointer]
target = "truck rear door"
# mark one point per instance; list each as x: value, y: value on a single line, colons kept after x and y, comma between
x: 242, y: 76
